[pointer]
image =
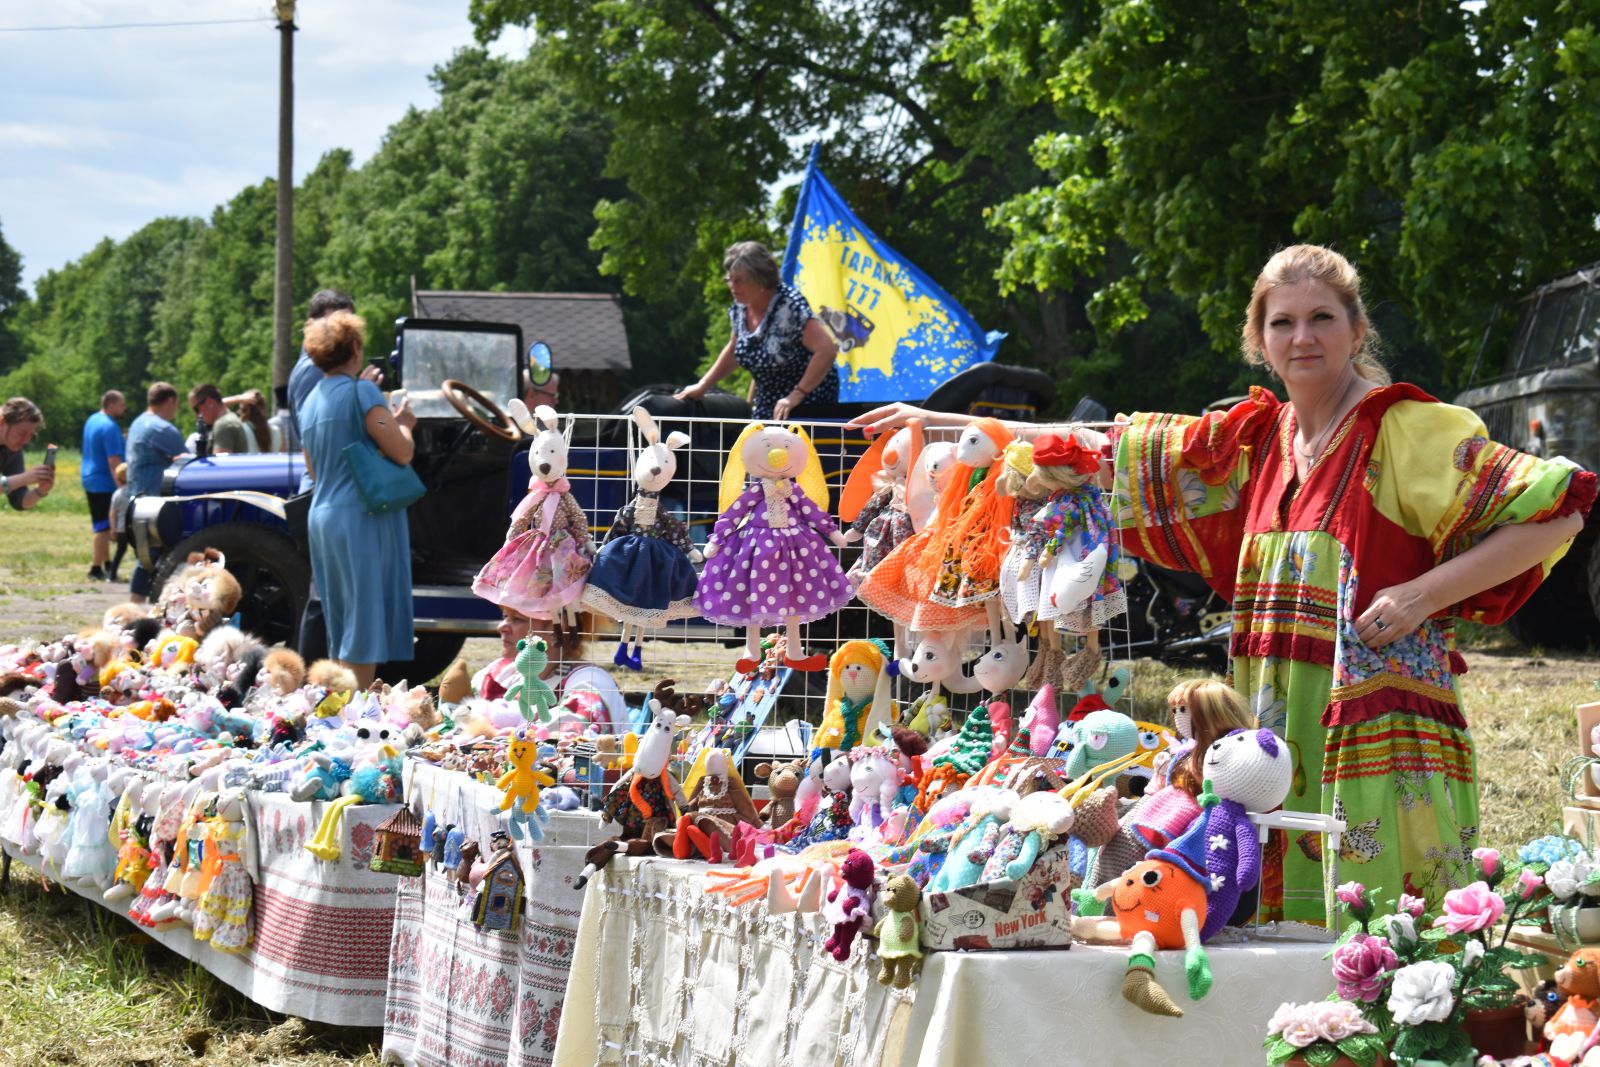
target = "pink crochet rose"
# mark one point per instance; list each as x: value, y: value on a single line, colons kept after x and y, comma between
x: 1350, y: 893
x: 1470, y: 909
x: 1530, y: 883
x: 1412, y: 906
x: 1360, y: 967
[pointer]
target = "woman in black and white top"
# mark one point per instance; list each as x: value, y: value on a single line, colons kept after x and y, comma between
x: 787, y: 350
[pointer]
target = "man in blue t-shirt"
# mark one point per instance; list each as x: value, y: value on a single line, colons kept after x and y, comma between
x: 103, y: 449
x: 153, y: 443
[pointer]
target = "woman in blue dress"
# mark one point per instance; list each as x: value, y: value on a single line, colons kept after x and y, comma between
x: 361, y: 562
x: 786, y: 349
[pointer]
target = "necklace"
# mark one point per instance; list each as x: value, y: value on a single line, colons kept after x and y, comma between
x: 1312, y: 452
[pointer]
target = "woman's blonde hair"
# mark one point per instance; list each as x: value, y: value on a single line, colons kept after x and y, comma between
x: 1313, y: 263
x: 1214, y: 709
x: 334, y: 339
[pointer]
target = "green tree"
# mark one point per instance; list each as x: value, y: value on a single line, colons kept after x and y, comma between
x: 716, y: 105
x: 12, y: 297
x: 1448, y: 149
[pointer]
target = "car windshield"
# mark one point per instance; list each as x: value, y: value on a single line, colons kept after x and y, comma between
x: 1558, y: 328
x: 485, y: 361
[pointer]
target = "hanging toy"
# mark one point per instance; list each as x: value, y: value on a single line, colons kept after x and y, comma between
x: 521, y: 785
x: 643, y: 575
x: 936, y: 663
x: 946, y: 577
x: 768, y: 558
x: 858, y: 700
x: 532, y: 693
x: 998, y: 671
x: 541, y: 569
x: 882, y: 519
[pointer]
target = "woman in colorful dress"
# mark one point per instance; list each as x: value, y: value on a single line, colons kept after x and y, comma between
x: 1350, y: 527
x: 786, y: 349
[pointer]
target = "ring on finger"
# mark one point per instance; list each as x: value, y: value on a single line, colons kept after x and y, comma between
x: 1378, y: 623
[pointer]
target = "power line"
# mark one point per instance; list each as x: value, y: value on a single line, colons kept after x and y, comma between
x: 135, y: 25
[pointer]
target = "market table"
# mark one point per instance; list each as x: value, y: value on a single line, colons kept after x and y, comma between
x: 458, y: 995
x: 678, y: 977
x: 322, y: 927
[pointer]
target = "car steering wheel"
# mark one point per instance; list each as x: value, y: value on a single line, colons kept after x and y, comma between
x: 498, y: 424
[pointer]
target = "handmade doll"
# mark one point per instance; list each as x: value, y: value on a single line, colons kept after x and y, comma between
x: 768, y: 560
x: 647, y: 799
x: 541, y: 569
x: 1037, y: 820
x: 829, y: 819
x: 946, y: 577
x: 858, y: 696
x: 998, y: 671
x: 716, y: 804
x: 1159, y: 905
x: 1019, y: 594
x: 1244, y: 771
x: 643, y: 575
x: 972, y: 845
x: 899, y: 933
x: 223, y: 910
x: 849, y: 904
x: 882, y: 519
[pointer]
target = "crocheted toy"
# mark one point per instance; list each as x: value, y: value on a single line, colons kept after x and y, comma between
x: 965, y: 756
x: 849, y: 906
x: 1579, y: 979
x: 377, y: 782
x: 768, y: 560
x: 643, y: 575
x: 1245, y: 771
x: 946, y: 577
x: 858, y: 700
x: 533, y: 695
x: 521, y: 784
x: 873, y: 501
x: 1036, y: 820
x: 646, y: 799
x: 975, y: 842
x: 1041, y: 720
x: 1097, y: 740
x: 899, y: 933
x: 1158, y: 905
x: 783, y: 781
x: 541, y: 569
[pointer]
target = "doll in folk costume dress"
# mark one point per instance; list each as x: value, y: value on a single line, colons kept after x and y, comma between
x: 541, y: 569
x: 644, y: 574
x: 947, y: 577
x: 768, y: 560
x: 223, y: 911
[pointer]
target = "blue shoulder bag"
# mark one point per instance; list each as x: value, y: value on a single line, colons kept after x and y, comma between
x: 382, y: 484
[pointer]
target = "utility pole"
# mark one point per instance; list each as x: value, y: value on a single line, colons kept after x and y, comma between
x: 283, y: 264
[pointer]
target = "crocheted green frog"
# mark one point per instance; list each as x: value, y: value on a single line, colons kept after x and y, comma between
x: 530, y: 691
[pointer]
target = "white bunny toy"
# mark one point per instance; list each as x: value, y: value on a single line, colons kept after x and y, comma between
x: 936, y: 662
x: 644, y: 573
x: 541, y: 569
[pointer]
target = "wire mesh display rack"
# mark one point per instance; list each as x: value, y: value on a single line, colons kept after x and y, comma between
x: 697, y: 654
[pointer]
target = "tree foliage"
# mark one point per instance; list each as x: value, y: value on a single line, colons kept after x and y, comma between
x: 1449, y: 149
x: 12, y: 297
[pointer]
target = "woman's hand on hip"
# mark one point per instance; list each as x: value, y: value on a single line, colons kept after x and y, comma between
x: 1394, y: 613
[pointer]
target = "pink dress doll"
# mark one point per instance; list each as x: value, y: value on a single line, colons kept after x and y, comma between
x: 768, y: 561
x: 542, y: 568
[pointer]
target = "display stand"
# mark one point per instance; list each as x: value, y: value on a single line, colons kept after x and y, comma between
x: 677, y: 977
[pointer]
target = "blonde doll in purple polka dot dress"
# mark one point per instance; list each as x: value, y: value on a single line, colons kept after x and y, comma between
x: 768, y: 562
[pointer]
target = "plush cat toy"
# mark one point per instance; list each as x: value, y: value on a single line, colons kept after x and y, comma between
x: 768, y: 561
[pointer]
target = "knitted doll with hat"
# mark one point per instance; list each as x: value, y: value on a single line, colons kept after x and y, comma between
x: 1159, y: 905
x: 1247, y: 770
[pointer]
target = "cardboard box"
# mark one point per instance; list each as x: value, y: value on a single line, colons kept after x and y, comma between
x: 1033, y: 913
x: 1586, y: 792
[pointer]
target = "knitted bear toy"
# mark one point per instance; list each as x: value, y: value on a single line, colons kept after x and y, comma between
x: 849, y: 905
x: 899, y: 933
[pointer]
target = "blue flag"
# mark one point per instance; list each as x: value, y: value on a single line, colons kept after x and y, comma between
x: 900, y: 335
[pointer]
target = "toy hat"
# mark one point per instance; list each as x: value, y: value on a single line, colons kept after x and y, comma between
x: 1188, y: 852
x: 1092, y: 702
x: 1052, y: 450
x: 1165, y: 815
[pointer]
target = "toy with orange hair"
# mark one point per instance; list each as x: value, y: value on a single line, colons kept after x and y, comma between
x: 947, y: 577
x: 1158, y: 905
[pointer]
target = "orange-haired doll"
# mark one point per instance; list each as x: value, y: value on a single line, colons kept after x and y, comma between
x: 947, y: 576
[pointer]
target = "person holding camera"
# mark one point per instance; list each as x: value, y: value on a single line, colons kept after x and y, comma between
x: 20, y: 419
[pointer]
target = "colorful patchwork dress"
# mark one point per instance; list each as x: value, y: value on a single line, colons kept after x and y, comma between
x: 1378, y: 735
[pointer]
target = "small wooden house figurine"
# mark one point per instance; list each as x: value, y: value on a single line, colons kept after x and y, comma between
x: 499, y: 903
x: 397, y: 844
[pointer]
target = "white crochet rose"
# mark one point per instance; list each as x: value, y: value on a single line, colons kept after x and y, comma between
x: 1421, y: 993
x: 1564, y: 877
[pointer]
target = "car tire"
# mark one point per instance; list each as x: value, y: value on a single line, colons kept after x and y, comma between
x: 1564, y: 612
x: 273, y: 577
x: 431, y: 654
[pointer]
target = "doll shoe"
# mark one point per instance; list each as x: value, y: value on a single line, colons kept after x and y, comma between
x: 634, y: 663
x: 745, y: 665
x: 621, y: 656
x: 810, y: 663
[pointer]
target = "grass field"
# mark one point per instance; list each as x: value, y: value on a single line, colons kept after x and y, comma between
x: 80, y: 987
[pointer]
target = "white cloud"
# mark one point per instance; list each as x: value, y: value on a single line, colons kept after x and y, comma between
x: 100, y: 132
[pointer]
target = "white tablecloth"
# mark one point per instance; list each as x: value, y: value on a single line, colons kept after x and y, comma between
x: 322, y: 928
x: 459, y: 996
x: 677, y: 977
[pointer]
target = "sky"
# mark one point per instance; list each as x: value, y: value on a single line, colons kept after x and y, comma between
x: 102, y: 131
